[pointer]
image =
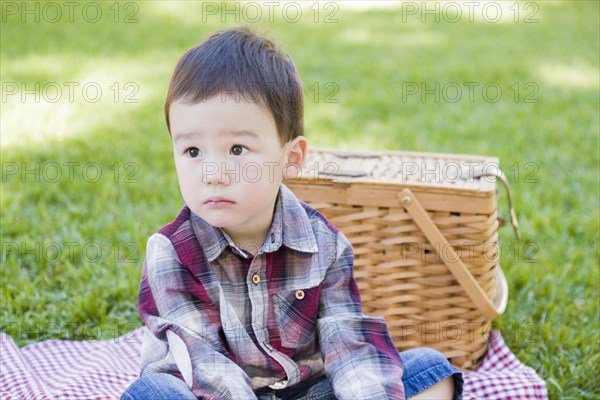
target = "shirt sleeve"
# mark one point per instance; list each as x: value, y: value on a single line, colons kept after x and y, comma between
x: 184, y: 328
x: 360, y: 358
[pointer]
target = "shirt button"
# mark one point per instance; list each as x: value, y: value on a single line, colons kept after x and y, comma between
x: 256, y: 279
x: 299, y: 294
x: 268, y: 346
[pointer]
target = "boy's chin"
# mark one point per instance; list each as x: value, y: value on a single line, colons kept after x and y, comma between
x: 216, y: 222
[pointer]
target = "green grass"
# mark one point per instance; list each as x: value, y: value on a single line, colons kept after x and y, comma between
x: 548, y: 148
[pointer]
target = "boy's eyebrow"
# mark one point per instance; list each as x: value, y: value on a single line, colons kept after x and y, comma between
x: 242, y: 132
x: 182, y: 136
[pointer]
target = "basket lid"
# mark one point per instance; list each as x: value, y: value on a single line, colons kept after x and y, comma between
x: 461, y: 172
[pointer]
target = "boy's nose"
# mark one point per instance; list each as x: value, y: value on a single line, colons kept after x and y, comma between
x: 214, y: 173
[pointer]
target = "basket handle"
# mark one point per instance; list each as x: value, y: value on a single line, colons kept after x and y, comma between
x: 453, y: 262
x: 497, y: 172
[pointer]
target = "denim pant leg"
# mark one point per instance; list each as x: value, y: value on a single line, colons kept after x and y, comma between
x: 158, y: 387
x: 424, y: 367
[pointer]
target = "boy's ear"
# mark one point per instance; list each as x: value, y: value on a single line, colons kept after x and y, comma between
x: 295, y: 157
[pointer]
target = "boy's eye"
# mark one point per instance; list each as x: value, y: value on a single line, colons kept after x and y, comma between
x: 238, y: 150
x: 193, y: 152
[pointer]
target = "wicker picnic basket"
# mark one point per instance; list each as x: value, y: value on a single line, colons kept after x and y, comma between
x: 424, y: 228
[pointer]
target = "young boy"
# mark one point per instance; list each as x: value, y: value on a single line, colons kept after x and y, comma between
x: 250, y: 293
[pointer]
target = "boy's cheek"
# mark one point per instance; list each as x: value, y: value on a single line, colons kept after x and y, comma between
x: 270, y: 172
x: 185, y: 188
x: 186, y: 177
x: 181, y: 173
x: 184, y: 167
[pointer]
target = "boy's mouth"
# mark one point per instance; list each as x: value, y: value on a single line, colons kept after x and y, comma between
x: 218, y: 202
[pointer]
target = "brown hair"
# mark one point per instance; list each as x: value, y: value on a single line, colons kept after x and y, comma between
x: 239, y: 61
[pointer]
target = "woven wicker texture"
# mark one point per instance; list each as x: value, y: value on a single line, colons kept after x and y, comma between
x: 401, y: 276
x: 430, y: 169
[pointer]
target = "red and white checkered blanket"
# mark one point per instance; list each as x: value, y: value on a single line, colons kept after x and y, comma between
x: 60, y: 369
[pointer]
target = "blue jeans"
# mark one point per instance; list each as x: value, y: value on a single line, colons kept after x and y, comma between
x: 423, y: 368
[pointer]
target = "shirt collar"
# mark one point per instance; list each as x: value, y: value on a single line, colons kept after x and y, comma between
x: 212, y: 241
x: 291, y: 227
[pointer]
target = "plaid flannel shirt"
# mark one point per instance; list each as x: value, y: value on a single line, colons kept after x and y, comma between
x: 229, y: 323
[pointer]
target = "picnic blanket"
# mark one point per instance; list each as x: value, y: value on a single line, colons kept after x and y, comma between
x: 103, y: 369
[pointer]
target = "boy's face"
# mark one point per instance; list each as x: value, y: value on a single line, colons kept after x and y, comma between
x: 230, y: 164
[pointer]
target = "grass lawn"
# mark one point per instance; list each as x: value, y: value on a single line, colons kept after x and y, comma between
x: 87, y: 171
